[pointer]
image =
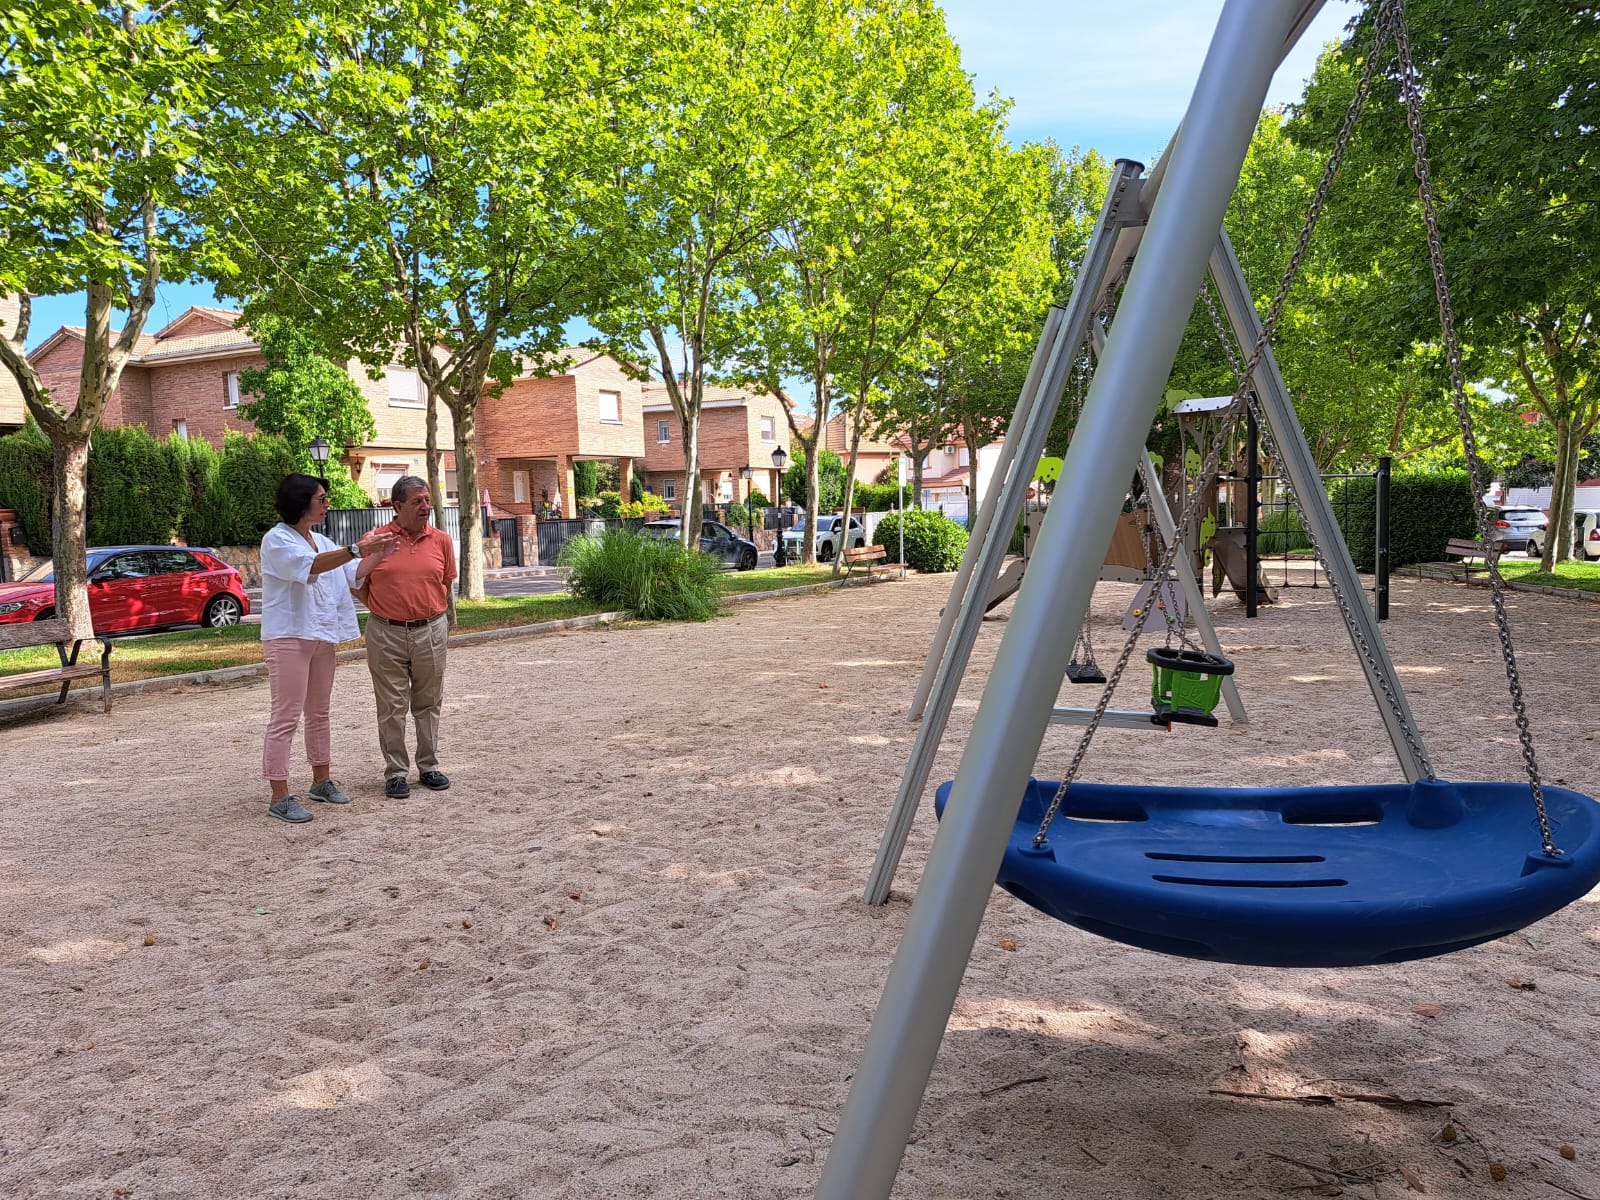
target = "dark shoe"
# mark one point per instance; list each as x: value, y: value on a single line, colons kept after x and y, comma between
x: 396, y: 788
x: 289, y: 809
x: 435, y: 780
x: 328, y: 792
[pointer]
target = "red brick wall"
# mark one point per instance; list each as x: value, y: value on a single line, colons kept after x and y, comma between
x: 196, y: 393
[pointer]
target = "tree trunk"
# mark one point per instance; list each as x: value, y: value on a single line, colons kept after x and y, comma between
x: 693, y: 501
x: 1558, y: 538
x: 68, y: 520
x: 433, y: 459
x: 464, y: 413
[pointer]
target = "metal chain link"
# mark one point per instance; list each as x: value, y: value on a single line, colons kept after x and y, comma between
x: 1214, y: 454
x: 1452, y: 343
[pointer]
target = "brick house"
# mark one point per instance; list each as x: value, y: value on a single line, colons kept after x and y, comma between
x: 531, y: 434
x: 184, y: 379
x: 738, y: 427
x: 872, y: 456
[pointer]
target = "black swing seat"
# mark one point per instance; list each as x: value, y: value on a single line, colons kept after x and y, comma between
x: 1084, y: 673
x: 1300, y: 877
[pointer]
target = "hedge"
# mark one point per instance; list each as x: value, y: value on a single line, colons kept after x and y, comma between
x: 1426, y: 509
x: 933, y: 541
x: 141, y: 490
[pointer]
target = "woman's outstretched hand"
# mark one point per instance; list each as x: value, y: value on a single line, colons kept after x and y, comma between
x: 377, y: 545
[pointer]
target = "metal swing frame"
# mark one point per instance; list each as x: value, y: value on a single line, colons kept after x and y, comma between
x: 1177, y: 241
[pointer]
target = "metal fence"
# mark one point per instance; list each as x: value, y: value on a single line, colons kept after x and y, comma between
x: 347, y: 525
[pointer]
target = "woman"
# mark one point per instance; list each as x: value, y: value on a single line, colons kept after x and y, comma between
x: 306, y: 610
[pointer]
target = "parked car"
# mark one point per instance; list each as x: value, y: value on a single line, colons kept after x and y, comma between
x: 716, y: 539
x: 1513, y: 527
x: 827, y: 537
x: 1586, y: 536
x: 138, y: 587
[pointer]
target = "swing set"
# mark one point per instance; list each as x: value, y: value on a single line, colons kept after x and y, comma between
x: 1288, y: 876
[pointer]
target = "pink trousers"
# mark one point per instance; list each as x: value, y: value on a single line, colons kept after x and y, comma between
x: 300, y: 672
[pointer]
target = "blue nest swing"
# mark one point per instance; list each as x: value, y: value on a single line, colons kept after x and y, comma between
x: 1300, y: 877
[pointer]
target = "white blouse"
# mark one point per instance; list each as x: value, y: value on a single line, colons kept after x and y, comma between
x: 293, y: 604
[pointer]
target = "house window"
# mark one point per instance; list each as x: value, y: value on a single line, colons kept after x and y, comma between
x: 230, y: 390
x: 452, y: 494
x: 663, y: 432
x: 611, y: 408
x: 181, y: 428
x: 961, y: 459
x: 403, y: 391
x: 386, y: 474
x: 669, y: 489
x: 769, y: 429
x: 725, y: 490
x: 519, y: 487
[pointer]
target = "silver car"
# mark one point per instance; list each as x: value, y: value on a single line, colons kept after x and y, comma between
x: 1517, y: 528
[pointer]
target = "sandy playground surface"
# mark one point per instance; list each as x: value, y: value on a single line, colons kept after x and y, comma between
x: 624, y: 955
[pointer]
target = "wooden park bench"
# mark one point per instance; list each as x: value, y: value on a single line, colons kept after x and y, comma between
x: 858, y: 555
x: 1463, y: 549
x: 57, y: 633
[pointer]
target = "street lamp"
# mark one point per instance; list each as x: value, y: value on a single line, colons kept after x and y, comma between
x: 780, y: 460
x: 319, y: 454
x: 747, y: 473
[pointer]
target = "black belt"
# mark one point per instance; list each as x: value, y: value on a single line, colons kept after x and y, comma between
x: 417, y: 624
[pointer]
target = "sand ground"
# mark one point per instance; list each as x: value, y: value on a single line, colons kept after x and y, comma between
x: 624, y: 955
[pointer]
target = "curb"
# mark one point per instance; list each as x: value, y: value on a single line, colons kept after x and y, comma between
x: 1537, y: 589
x: 233, y: 676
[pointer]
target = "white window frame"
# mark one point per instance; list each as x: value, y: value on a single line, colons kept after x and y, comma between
x: 663, y: 433
x: 452, y: 488
x: 403, y: 396
x: 181, y: 428
x: 380, y: 469
x: 519, y: 487
x: 669, y: 489
x: 769, y: 429
x: 613, y: 400
x: 230, y: 389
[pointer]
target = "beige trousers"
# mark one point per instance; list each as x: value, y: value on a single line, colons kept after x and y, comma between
x: 407, y: 667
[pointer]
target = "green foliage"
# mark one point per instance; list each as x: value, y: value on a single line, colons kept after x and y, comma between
x: 1279, y: 531
x: 1426, y: 509
x: 137, y: 487
x: 830, y: 479
x: 250, y: 471
x: 586, y: 479
x: 607, y: 504
x: 879, y: 497
x: 25, y: 483
x: 655, y: 579
x: 933, y: 541
x: 300, y: 395
x: 647, y: 507
x: 207, y: 518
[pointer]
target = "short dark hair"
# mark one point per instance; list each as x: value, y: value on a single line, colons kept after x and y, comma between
x: 404, y: 486
x: 295, y: 495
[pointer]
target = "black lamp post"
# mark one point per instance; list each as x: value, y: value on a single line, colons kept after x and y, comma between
x: 747, y: 473
x: 780, y: 460
x: 318, y: 449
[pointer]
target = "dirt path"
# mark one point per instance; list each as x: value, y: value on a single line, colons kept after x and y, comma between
x: 624, y: 957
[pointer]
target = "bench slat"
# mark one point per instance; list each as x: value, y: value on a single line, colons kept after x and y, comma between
x: 90, y: 670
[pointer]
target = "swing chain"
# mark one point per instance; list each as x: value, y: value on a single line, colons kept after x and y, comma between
x: 1214, y: 455
x: 1452, y: 340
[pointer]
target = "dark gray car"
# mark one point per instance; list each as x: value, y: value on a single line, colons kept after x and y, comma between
x: 716, y: 539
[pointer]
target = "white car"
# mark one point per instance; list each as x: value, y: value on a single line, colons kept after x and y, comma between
x: 827, y: 537
x: 1586, y: 536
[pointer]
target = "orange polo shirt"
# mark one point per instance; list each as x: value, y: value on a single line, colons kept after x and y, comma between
x: 414, y: 580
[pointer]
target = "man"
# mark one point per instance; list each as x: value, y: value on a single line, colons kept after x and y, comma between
x: 408, y: 593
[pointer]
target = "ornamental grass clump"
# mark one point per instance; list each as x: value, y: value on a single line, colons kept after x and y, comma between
x: 654, y: 579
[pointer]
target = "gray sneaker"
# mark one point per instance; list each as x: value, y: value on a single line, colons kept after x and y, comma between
x: 328, y: 792
x: 289, y: 809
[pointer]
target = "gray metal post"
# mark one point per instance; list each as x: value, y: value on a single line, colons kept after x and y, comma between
x: 1055, y: 594
x: 962, y: 619
x: 1306, y: 479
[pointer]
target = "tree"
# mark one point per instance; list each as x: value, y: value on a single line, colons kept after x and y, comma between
x: 1512, y: 100
x: 430, y: 182
x: 730, y: 90
x: 300, y: 395
x: 99, y: 105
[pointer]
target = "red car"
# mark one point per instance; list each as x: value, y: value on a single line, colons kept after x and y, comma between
x: 138, y: 587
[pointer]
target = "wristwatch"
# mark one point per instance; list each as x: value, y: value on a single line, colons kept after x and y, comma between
x: 355, y: 549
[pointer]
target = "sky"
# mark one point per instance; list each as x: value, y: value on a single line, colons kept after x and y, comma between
x: 1074, y: 72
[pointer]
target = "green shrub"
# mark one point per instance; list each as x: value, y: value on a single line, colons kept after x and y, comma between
x: 1281, y: 532
x: 1426, y: 509
x: 933, y: 541
x: 25, y: 472
x: 250, y: 471
x: 585, y: 478
x: 879, y: 497
x: 208, y: 511
x: 655, y: 579
x: 137, y: 492
x: 607, y: 504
